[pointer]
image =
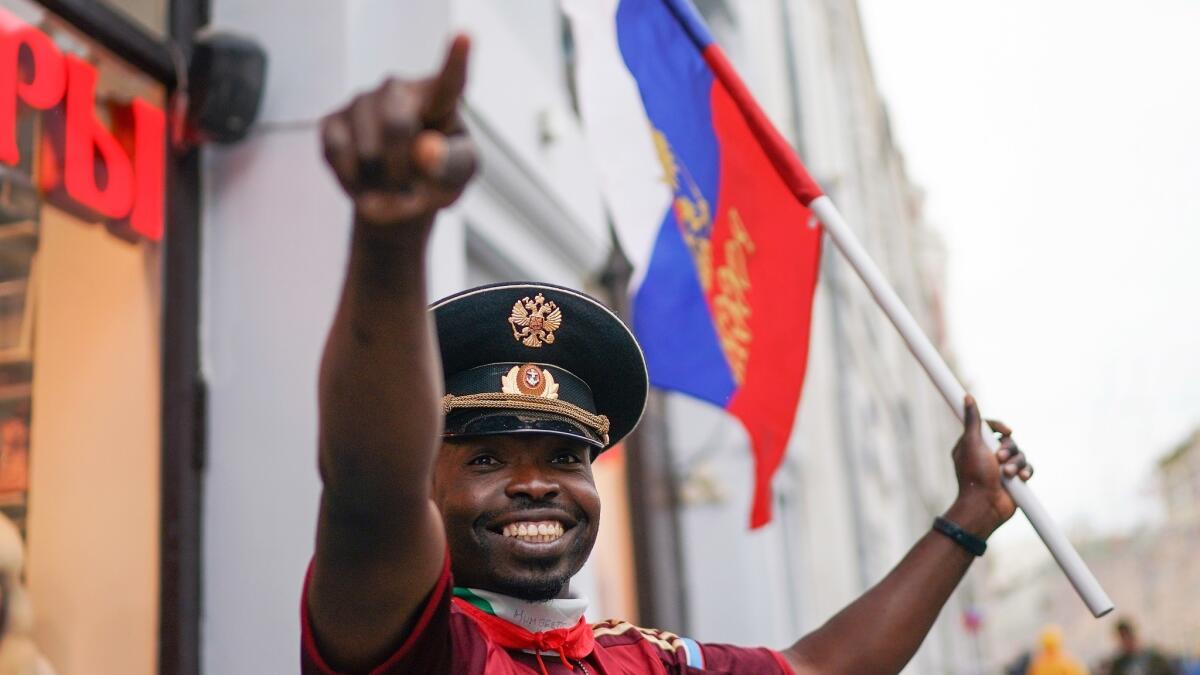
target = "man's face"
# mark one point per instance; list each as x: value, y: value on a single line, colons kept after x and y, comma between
x: 521, y: 511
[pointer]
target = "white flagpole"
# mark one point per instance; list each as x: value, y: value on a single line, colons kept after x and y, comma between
x: 1064, y: 553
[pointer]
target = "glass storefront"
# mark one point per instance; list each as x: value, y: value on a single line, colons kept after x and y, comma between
x: 80, y: 340
x: 149, y: 14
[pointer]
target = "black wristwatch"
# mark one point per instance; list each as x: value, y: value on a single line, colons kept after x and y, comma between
x: 974, y: 545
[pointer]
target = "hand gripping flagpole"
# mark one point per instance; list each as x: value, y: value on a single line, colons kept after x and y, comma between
x: 1064, y: 553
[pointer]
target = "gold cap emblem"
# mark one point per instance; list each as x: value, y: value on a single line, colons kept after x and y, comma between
x: 534, y: 321
x: 529, y: 380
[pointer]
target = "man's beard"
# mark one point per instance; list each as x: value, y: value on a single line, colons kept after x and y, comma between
x: 543, y: 580
x: 539, y: 588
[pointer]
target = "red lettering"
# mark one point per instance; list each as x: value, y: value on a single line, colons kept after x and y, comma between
x: 46, y: 78
x: 93, y: 155
x: 141, y: 129
x: 149, y: 169
x: 49, y: 168
x: 118, y: 176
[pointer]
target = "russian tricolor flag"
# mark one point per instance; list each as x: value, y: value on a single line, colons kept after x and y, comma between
x: 711, y: 205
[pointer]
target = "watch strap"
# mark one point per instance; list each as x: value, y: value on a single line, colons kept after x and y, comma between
x: 974, y: 545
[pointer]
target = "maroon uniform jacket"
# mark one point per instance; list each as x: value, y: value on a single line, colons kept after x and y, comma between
x: 446, y: 639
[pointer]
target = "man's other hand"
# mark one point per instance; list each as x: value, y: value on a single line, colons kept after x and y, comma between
x: 401, y: 151
x: 983, y: 504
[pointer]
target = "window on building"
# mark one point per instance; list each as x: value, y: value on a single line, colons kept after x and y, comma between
x: 570, y: 60
x: 485, y: 265
x: 149, y: 14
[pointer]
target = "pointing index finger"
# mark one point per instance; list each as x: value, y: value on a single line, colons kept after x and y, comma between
x: 446, y: 88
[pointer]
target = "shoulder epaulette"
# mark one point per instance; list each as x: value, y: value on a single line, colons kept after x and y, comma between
x: 664, y: 640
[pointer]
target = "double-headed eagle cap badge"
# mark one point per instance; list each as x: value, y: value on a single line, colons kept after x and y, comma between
x: 534, y: 321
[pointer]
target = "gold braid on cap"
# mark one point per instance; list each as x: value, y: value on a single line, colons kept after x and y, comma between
x: 597, y: 423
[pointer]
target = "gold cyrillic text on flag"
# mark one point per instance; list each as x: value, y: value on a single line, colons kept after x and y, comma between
x: 731, y: 310
x: 691, y: 210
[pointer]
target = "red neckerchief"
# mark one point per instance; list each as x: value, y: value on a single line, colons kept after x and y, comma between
x: 575, y: 642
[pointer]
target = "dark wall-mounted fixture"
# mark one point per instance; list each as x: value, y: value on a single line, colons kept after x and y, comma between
x: 225, y: 80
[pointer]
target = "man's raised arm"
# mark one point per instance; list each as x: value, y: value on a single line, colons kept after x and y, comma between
x: 880, y: 632
x: 400, y: 153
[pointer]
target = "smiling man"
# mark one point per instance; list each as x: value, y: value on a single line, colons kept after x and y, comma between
x: 528, y: 368
x: 456, y: 445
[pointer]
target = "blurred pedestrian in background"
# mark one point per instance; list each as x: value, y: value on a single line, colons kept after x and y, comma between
x: 1019, y: 665
x: 1134, y: 659
x: 1193, y: 666
x: 1053, y: 659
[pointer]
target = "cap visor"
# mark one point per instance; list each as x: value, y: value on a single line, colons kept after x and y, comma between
x: 467, y: 423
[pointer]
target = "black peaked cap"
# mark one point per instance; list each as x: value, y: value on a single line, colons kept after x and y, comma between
x: 589, y: 353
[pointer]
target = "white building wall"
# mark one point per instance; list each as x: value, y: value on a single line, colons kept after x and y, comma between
x: 872, y: 438
x: 275, y: 234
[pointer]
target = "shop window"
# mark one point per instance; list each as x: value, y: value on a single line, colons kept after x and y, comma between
x: 80, y: 317
x: 486, y: 264
x: 149, y: 14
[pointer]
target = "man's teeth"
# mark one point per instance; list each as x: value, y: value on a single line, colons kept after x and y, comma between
x: 539, y: 532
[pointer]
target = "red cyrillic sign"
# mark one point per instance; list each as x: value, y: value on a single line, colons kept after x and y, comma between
x: 112, y: 175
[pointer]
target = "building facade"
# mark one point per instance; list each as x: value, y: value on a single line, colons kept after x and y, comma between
x: 1150, y: 573
x: 1179, y: 477
x: 167, y: 398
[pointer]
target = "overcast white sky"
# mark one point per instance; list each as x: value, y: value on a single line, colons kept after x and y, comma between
x: 1059, y: 143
